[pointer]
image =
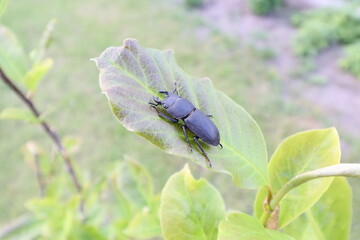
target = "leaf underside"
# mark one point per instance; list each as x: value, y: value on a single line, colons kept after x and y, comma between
x: 131, y: 75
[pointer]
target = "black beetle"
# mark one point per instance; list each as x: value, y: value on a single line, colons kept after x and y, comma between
x: 195, y: 120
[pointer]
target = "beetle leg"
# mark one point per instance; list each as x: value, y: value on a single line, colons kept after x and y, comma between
x: 174, y: 120
x: 186, y: 137
x: 211, y: 116
x: 156, y: 100
x: 196, y: 138
x: 221, y: 146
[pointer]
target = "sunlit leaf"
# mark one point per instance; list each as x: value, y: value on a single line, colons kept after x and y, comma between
x: 13, y: 60
x: 239, y: 226
x: 144, y: 225
x: 135, y: 183
x: 190, y: 209
x: 18, y: 114
x: 329, y: 218
x: 259, y: 201
x: 297, y: 154
x: 36, y: 73
x: 37, y: 54
x: 131, y: 75
x: 3, y: 5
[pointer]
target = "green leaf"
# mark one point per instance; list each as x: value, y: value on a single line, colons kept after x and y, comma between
x: 36, y: 73
x: 13, y: 60
x: 135, y: 183
x: 329, y: 218
x: 37, y: 54
x: 261, y: 195
x: 19, y: 114
x: 239, y: 226
x: 190, y: 209
x: 3, y: 5
x: 297, y: 154
x: 131, y: 75
x: 144, y: 225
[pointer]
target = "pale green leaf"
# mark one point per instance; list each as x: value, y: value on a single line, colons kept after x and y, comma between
x: 144, y: 225
x: 3, y: 5
x: 36, y: 73
x: 329, y: 218
x: 135, y: 184
x: 259, y: 201
x: 190, y: 209
x: 37, y: 54
x: 13, y: 60
x: 239, y: 226
x: 131, y: 75
x: 297, y: 154
x: 19, y: 114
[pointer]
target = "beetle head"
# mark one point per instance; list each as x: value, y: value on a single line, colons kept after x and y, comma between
x: 169, y: 100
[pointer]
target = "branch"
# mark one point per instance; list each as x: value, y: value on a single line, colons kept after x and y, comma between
x: 51, y: 133
x: 338, y: 170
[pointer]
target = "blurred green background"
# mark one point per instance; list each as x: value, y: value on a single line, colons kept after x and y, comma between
x: 248, y: 68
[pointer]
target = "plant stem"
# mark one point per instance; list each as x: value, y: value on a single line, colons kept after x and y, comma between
x: 338, y: 170
x: 51, y: 133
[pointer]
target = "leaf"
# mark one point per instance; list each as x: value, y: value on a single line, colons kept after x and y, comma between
x: 131, y: 75
x: 190, y: 209
x: 239, y: 226
x: 135, y: 183
x: 37, y: 54
x: 261, y: 195
x: 13, y: 60
x: 36, y: 73
x: 3, y: 5
x: 329, y: 218
x: 19, y: 114
x: 297, y: 154
x: 144, y: 225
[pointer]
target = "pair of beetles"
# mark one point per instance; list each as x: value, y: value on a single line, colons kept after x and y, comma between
x: 195, y: 120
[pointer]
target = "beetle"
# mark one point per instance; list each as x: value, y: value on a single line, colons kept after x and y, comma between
x: 195, y: 120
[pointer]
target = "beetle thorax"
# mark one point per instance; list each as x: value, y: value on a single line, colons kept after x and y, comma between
x: 181, y: 108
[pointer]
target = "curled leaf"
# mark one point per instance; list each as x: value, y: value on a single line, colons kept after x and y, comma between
x: 131, y: 75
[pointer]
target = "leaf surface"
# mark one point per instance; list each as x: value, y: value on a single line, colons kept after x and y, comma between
x: 329, y: 218
x: 239, y: 226
x: 131, y: 75
x: 19, y: 114
x: 297, y: 154
x: 190, y: 209
x: 13, y: 60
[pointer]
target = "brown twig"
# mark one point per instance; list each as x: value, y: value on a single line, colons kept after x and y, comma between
x: 51, y: 133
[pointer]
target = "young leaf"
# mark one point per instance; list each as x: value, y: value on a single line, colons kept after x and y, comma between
x: 131, y: 75
x: 36, y: 73
x: 13, y: 60
x: 135, y: 183
x: 297, y: 154
x: 19, y: 114
x: 261, y: 196
x: 190, y: 209
x: 239, y: 226
x: 329, y: 218
x: 3, y: 5
x: 144, y: 225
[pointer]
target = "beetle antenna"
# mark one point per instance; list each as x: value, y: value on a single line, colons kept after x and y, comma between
x: 164, y: 92
x: 175, y: 90
x: 221, y: 146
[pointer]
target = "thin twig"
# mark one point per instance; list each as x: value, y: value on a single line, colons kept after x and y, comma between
x: 51, y: 133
